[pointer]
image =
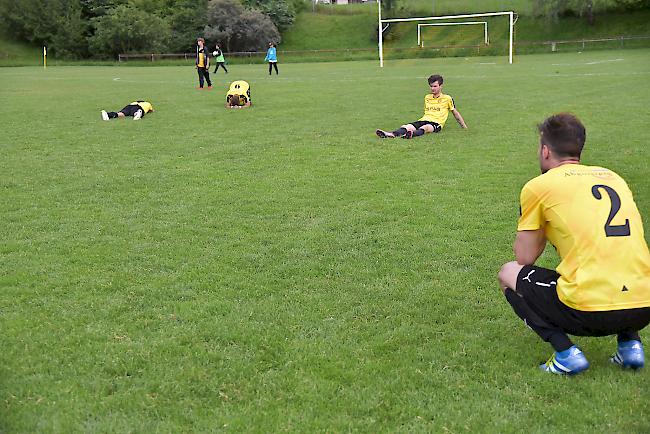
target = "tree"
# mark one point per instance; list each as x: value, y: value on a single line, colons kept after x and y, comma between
x: 125, y: 29
x: 223, y: 18
x: 553, y: 9
x: 258, y: 31
x: 237, y: 28
x: 70, y: 38
x: 186, y: 20
x: 281, y: 12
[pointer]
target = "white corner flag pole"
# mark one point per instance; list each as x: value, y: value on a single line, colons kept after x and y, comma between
x: 44, y: 57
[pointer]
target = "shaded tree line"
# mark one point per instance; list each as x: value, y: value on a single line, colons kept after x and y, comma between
x: 105, y: 28
x: 554, y: 9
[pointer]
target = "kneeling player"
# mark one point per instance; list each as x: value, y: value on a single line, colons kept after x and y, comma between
x: 436, y: 110
x: 137, y: 109
x: 602, y: 285
x: 239, y: 95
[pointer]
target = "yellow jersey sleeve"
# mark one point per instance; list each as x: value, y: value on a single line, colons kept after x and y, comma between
x: 532, y: 214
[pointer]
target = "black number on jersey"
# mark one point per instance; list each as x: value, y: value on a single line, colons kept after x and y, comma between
x: 612, y: 230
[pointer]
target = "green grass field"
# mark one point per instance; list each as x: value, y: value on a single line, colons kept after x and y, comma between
x: 280, y: 269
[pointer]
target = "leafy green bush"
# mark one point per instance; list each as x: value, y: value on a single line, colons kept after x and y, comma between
x: 126, y: 29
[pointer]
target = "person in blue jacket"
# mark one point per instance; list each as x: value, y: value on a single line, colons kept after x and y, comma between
x: 272, y: 58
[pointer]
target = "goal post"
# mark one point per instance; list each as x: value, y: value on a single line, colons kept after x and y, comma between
x: 381, y: 28
x: 460, y: 23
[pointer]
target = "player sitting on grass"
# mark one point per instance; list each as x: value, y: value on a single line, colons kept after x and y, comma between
x: 239, y: 95
x: 137, y: 109
x: 437, y: 106
x: 602, y: 285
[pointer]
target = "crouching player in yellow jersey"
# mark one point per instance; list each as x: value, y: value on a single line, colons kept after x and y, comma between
x: 137, y: 109
x: 437, y: 106
x: 602, y: 285
x: 239, y: 95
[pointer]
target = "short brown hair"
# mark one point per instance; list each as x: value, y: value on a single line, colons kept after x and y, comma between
x: 434, y: 78
x: 234, y: 100
x: 200, y: 39
x: 564, y: 134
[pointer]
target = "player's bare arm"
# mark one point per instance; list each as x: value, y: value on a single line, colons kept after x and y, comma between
x: 528, y: 246
x: 459, y: 118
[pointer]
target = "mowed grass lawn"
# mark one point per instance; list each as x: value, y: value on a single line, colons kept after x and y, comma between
x: 281, y: 269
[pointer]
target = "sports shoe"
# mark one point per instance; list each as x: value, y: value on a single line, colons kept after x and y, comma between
x: 209, y: 87
x: 382, y: 134
x: 137, y: 115
x: 104, y: 115
x: 629, y: 355
x: 567, y: 362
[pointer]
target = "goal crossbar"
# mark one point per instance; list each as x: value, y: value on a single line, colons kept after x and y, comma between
x: 460, y: 23
x: 381, y: 21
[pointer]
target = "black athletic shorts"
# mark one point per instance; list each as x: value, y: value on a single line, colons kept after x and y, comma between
x: 130, y: 110
x: 419, y: 124
x: 537, y: 286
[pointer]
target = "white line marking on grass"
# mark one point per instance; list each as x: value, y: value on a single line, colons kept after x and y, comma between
x: 487, y: 63
x: 116, y: 78
x: 587, y: 63
x: 603, y: 61
x: 590, y: 74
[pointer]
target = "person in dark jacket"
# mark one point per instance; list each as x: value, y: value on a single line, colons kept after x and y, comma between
x: 203, y: 63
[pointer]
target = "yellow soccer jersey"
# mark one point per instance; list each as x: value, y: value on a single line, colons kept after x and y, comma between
x: 146, y: 106
x: 201, y: 63
x: 589, y: 215
x: 437, y: 109
x: 241, y: 88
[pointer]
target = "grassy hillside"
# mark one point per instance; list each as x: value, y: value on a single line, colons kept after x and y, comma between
x: 323, y: 31
x: 18, y: 53
x: 354, y: 27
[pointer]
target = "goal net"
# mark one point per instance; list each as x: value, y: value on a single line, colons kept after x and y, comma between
x: 425, y: 30
x: 441, y: 33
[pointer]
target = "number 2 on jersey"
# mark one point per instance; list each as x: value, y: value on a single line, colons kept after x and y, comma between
x: 612, y: 230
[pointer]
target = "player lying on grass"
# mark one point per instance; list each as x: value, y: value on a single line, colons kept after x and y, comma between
x: 239, y: 95
x: 437, y: 106
x: 137, y: 109
x: 602, y: 285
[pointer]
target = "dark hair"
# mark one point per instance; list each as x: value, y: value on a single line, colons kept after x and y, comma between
x: 234, y: 100
x: 564, y: 134
x: 434, y: 78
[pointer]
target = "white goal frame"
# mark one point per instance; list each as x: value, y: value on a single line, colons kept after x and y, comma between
x: 460, y: 23
x: 381, y: 27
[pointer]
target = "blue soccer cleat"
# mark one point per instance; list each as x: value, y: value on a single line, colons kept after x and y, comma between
x: 629, y: 355
x: 567, y: 362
